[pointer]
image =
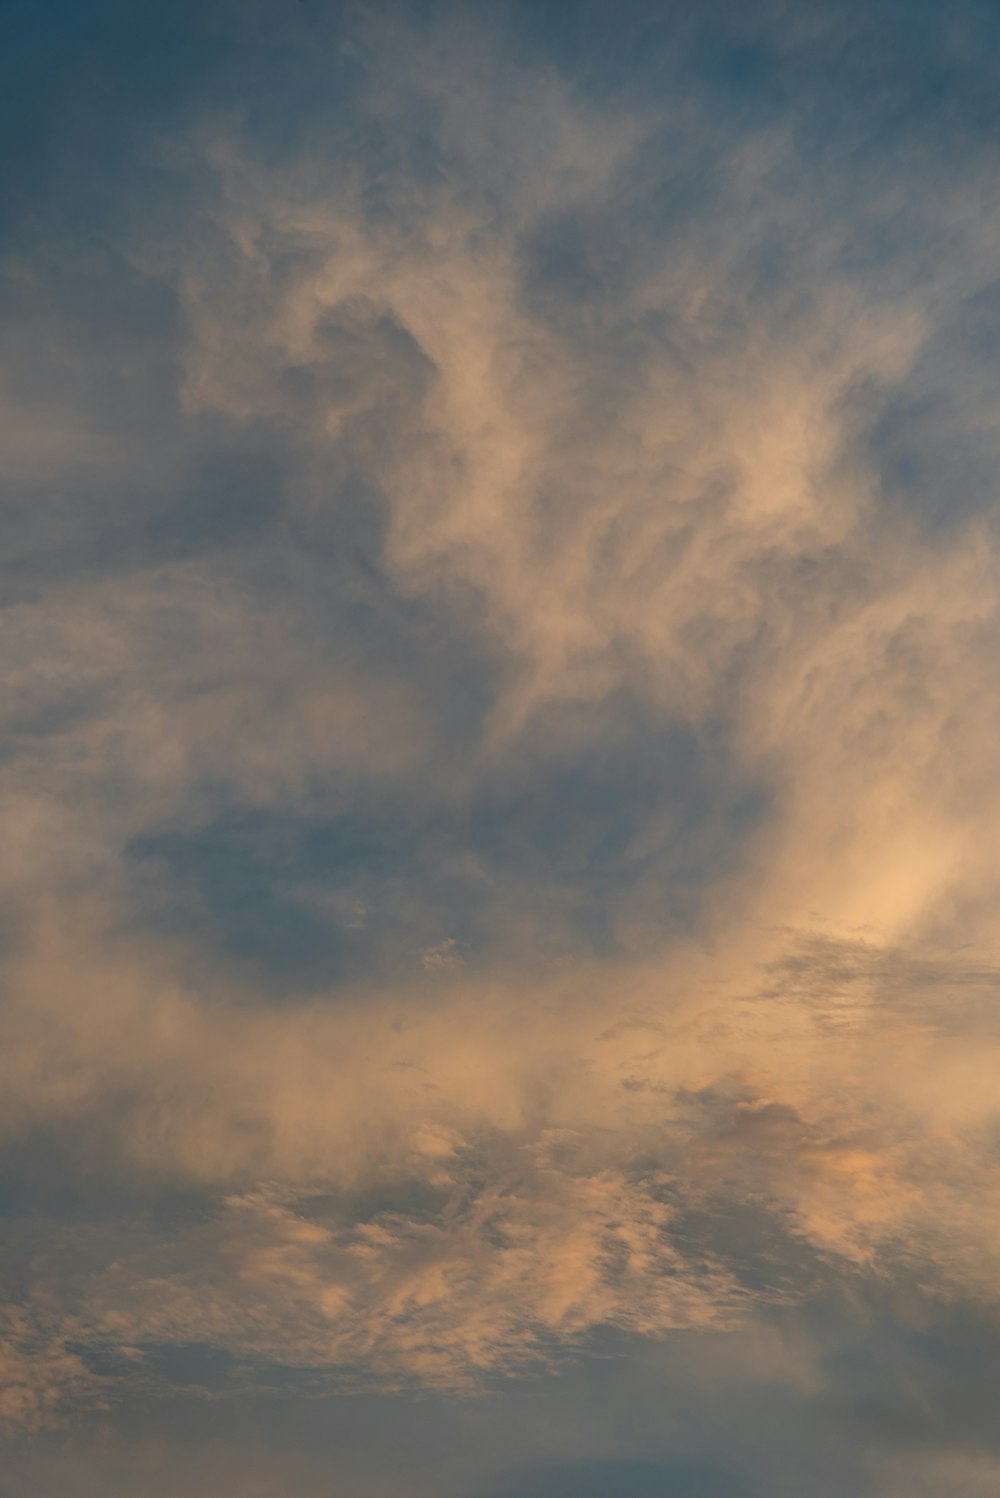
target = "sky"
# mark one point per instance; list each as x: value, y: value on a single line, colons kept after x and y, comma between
x: 499, y: 886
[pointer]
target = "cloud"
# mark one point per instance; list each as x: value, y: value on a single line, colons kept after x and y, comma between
x: 659, y: 495
x: 448, y: 1183
x: 498, y: 755
x: 42, y: 1379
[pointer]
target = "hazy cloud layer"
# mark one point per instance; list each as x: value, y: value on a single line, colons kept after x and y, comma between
x: 501, y: 601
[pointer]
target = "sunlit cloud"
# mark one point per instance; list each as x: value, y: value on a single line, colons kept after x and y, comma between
x: 499, y: 733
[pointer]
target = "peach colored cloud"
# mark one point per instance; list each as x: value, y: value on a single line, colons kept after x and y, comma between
x: 451, y: 1183
x: 449, y: 1176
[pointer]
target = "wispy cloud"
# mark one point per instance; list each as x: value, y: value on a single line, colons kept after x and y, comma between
x: 498, y: 728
